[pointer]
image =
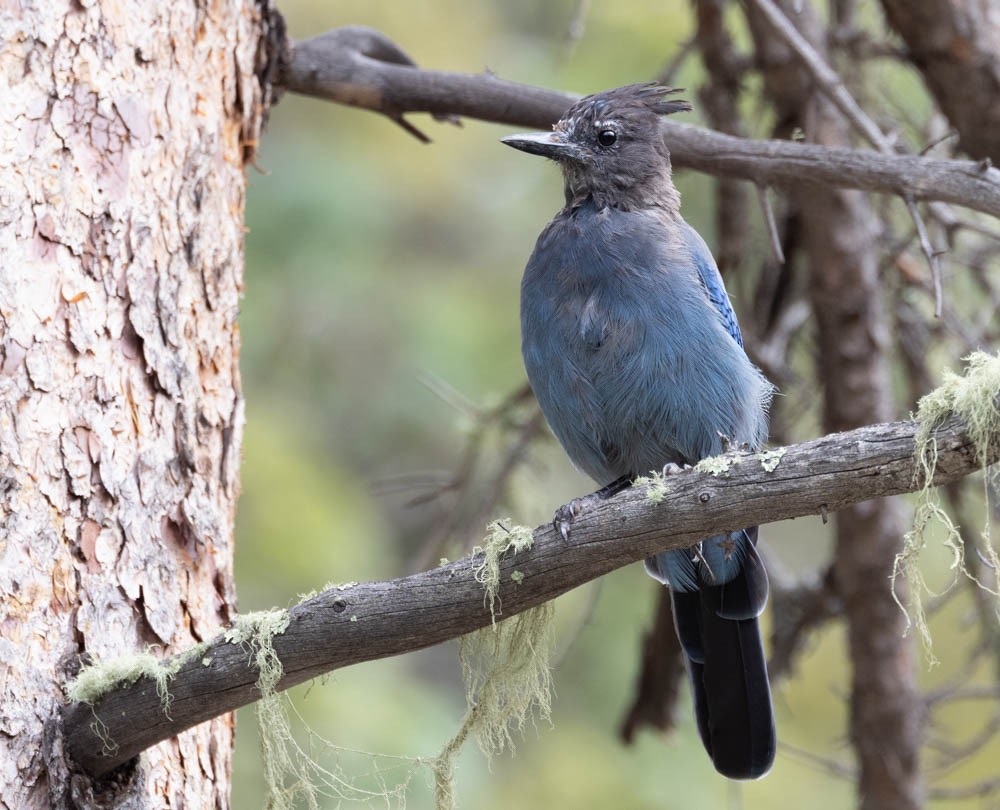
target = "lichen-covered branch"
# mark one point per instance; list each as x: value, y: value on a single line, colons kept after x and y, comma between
x: 349, y: 624
x: 363, y: 68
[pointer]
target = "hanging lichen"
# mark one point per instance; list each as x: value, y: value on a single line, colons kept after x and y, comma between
x: 972, y: 397
x: 286, y: 777
x: 95, y: 681
x: 505, y: 667
x: 292, y: 774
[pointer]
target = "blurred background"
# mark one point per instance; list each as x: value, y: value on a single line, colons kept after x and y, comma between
x: 381, y: 362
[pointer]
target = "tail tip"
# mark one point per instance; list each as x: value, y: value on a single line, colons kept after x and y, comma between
x: 743, y: 770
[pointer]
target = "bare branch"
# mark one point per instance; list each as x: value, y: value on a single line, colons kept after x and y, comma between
x: 345, y: 626
x: 660, y: 676
x: 341, y: 66
x: 798, y: 610
x: 772, y: 226
x: 976, y: 790
x: 828, y: 80
x: 953, y: 43
x: 824, y: 76
x: 826, y: 764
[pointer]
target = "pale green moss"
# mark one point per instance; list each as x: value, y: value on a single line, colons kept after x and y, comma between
x: 655, y: 485
x: 508, y: 681
x: 770, y: 459
x: 505, y: 667
x: 501, y: 537
x: 96, y: 680
x: 340, y: 586
x: 972, y: 397
x: 286, y: 775
x: 717, y: 465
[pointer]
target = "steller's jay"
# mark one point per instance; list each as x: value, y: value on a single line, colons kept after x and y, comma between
x: 634, y: 353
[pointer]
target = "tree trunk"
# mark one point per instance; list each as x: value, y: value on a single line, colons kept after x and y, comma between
x: 123, y: 139
x: 955, y: 44
x: 853, y: 367
x: 885, y: 708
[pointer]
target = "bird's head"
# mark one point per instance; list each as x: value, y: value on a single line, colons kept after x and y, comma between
x: 610, y: 147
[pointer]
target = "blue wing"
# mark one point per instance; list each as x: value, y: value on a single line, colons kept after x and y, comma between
x: 709, y: 274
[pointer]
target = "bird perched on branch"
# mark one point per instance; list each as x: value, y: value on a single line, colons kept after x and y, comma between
x: 634, y: 353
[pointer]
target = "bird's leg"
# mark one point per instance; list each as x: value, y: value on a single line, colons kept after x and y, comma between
x: 566, y: 514
x: 730, y: 446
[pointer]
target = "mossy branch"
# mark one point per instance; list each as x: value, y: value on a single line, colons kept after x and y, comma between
x: 347, y: 625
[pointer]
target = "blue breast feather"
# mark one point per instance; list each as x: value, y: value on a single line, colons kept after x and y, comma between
x: 631, y: 344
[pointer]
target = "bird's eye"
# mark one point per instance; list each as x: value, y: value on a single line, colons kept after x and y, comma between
x: 607, y: 137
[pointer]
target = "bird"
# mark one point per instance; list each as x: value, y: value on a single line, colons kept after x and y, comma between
x: 635, y: 355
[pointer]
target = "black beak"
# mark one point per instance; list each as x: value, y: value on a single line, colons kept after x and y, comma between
x: 547, y: 144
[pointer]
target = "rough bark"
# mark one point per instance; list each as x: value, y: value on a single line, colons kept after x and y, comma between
x: 123, y: 134
x: 886, y: 712
x: 955, y: 44
x: 853, y: 367
x: 720, y: 98
x: 349, y: 624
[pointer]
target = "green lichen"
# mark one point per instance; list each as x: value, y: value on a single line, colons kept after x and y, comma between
x: 505, y: 667
x: 292, y: 773
x: 516, y: 577
x: 972, y: 397
x: 770, y: 459
x: 717, y: 465
x: 94, y: 681
x: 286, y: 775
x: 340, y: 586
x: 501, y: 537
x: 655, y: 485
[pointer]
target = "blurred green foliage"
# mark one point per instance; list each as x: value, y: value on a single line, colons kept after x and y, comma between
x: 374, y: 261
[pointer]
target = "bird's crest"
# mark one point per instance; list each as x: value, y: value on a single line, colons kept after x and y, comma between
x: 645, y: 96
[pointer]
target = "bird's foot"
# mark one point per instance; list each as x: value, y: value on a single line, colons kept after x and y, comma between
x: 567, y: 513
x: 729, y: 445
x: 672, y: 469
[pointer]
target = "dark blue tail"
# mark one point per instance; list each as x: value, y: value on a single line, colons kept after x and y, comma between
x: 719, y: 630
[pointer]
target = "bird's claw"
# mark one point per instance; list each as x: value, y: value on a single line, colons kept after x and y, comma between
x: 564, y: 517
x: 730, y: 445
x: 672, y: 469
